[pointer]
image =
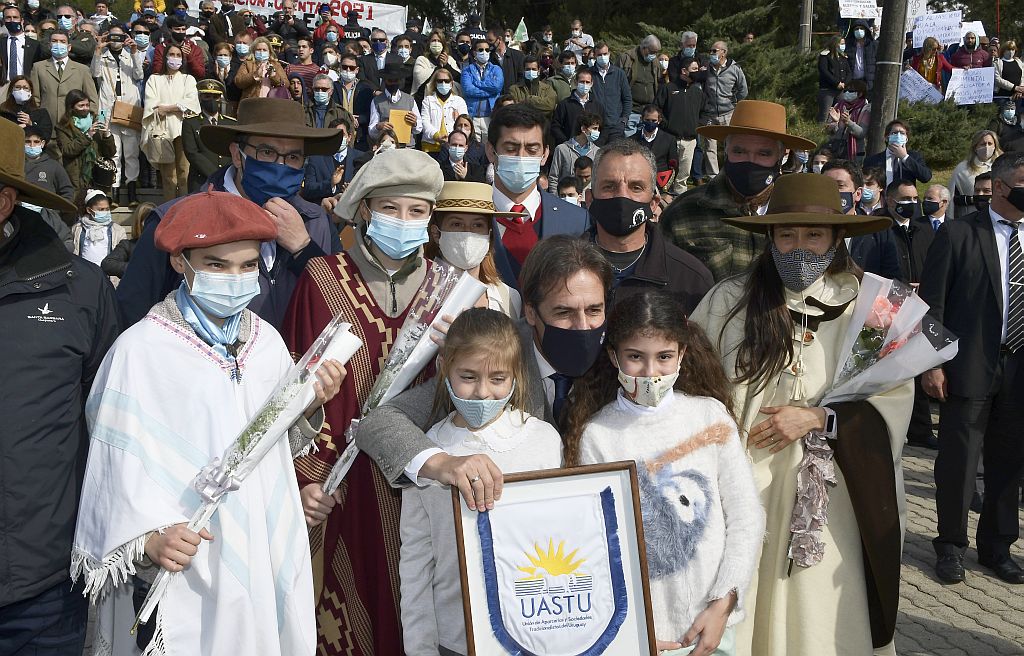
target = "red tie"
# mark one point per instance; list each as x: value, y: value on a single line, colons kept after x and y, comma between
x: 520, y: 237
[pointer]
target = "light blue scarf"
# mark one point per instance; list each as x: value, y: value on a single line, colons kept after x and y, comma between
x: 218, y: 337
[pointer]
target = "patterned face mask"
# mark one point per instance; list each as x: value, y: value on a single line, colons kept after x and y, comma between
x: 799, y: 267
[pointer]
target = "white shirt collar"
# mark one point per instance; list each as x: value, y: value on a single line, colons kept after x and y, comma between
x: 543, y: 366
x: 996, y: 218
x: 229, y: 181
x: 503, y: 203
x: 60, y: 61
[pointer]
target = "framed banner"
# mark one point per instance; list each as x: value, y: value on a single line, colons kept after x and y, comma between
x: 559, y: 567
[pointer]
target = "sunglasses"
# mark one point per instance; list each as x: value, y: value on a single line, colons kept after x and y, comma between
x: 350, y: 68
x: 483, y: 49
x: 379, y: 40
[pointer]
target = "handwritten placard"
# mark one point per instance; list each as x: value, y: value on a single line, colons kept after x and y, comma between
x: 944, y: 26
x: 914, y: 88
x: 971, y: 86
x: 915, y: 8
x: 858, y: 9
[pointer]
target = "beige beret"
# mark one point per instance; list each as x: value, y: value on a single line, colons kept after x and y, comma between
x: 399, y: 173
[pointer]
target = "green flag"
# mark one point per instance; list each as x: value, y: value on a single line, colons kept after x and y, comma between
x: 521, y: 34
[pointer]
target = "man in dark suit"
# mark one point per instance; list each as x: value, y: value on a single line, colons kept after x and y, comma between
x: 355, y: 95
x: 17, y: 52
x: 225, y: 25
x: 202, y: 161
x: 973, y: 280
x: 898, y: 162
x: 371, y: 65
x: 515, y: 146
x: 876, y: 252
x: 512, y: 62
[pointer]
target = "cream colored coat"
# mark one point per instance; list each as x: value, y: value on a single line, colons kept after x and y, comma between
x: 178, y: 89
x: 821, y: 609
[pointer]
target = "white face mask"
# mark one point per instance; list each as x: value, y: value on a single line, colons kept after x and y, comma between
x: 21, y: 95
x: 575, y: 200
x: 330, y: 59
x: 465, y: 250
x: 646, y: 390
x: 985, y: 153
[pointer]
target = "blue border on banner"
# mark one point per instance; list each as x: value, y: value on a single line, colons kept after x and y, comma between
x: 620, y: 596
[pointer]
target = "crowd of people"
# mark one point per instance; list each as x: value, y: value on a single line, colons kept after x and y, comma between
x: 668, y: 272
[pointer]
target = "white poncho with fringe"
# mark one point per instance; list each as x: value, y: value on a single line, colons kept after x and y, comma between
x: 162, y: 406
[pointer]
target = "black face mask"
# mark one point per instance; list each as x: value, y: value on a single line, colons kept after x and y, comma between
x: 464, y: 48
x: 178, y: 36
x: 748, y: 178
x: 846, y: 198
x: 931, y: 207
x: 210, y: 106
x: 392, y: 89
x: 226, y: 8
x: 981, y: 203
x: 619, y: 216
x: 1016, y: 197
x: 909, y: 210
x: 571, y: 352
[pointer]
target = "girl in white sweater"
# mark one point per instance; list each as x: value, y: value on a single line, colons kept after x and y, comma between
x: 484, y: 393
x: 661, y: 398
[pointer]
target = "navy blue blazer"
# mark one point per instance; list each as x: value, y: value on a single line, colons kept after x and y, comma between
x: 558, y: 218
x: 319, y: 171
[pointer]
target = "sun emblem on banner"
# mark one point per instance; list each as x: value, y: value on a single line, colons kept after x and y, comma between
x: 552, y: 571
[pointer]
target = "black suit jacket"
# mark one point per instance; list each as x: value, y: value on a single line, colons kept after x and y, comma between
x: 913, y: 170
x: 512, y: 65
x: 369, y: 72
x: 912, y: 243
x: 31, y: 53
x: 962, y: 284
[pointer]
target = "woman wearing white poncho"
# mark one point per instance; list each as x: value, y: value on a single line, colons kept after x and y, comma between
x: 171, y: 395
x: 779, y: 329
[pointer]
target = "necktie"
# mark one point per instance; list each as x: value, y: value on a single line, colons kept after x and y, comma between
x: 519, y: 237
x: 563, y: 384
x: 12, y: 59
x: 935, y: 224
x: 1015, y: 309
x: 60, y: 70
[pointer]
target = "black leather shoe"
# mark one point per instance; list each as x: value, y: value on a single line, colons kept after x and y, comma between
x: 1005, y: 569
x: 950, y: 568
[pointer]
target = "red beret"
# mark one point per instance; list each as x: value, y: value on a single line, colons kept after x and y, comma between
x: 210, y: 218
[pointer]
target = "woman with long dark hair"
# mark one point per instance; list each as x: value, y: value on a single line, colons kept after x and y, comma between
x: 780, y: 328
x: 21, y: 108
x: 81, y: 141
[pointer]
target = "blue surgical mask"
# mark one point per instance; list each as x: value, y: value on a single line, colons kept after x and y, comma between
x: 321, y: 97
x: 223, y: 61
x: 397, y: 238
x: 593, y: 135
x: 1010, y: 115
x: 83, y: 123
x: 262, y: 181
x: 141, y: 40
x: 102, y: 216
x: 531, y: 75
x: 223, y: 294
x: 568, y: 70
x: 65, y: 23
x: 482, y: 56
x: 898, y: 139
x: 444, y: 88
x: 456, y: 153
x: 242, y: 49
x: 33, y: 151
x: 582, y: 89
x: 802, y: 156
x: 261, y: 56
x: 342, y: 153
x: 858, y: 33
x: 842, y: 47
x: 332, y: 37
x: 649, y: 58
x: 603, y: 61
x: 59, y: 50
x: 867, y: 196
x: 478, y: 412
x: 518, y: 173
x: 689, y: 52
x: 714, y: 59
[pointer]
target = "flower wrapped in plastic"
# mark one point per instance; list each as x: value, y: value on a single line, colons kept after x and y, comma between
x: 270, y: 424
x: 445, y: 291
x: 891, y: 339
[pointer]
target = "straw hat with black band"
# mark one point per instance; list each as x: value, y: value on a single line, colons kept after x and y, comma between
x: 809, y: 199
x: 761, y: 119
x: 12, y: 171
x: 271, y: 117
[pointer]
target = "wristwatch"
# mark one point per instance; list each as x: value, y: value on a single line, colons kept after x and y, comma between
x: 830, y: 423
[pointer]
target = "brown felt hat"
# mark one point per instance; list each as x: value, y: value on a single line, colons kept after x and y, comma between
x: 809, y: 199
x: 12, y: 170
x: 271, y: 117
x: 760, y: 118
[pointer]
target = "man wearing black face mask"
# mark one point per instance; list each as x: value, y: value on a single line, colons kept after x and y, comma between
x: 983, y: 191
x: 973, y: 283
x: 755, y: 142
x: 621, y: 201
x: 202, y: 160
x: 193, y: 60
x: 914, y: 232
x: 565, y: 282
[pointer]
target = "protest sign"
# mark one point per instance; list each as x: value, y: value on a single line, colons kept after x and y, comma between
x: 858, y: 9
x: 915, y: 8
x: 971, y: 86
x: 390, y: 18
x: 944, y: 26
x: 914, y: 88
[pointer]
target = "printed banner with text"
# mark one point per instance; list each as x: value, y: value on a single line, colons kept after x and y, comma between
x: 390, y: 18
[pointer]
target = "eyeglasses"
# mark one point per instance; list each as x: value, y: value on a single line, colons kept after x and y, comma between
x: 268, y: 154
x: 349, y: 68
x: 379, y: 40
x: 65, y: 15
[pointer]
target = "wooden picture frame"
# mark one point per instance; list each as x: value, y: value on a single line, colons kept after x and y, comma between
x: 616, y: 485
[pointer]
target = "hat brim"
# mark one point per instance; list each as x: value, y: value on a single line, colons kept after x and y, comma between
x: 720, y: 132
x: 465, y: 209
x: 34, y: 195
x: 853, y: 224
x: 318, y: 141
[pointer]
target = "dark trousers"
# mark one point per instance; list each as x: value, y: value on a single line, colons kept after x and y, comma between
x: 921, y: 417
x: 965, y: 426
x: 52, y: 623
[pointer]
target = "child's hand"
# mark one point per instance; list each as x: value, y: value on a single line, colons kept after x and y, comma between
x: 173, y: 549
x: 316, y: 504
x: 709, y: 626
x: 330, y: 375
x: 441, y: 327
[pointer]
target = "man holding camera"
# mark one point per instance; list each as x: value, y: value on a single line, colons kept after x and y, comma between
x: 290, y: 27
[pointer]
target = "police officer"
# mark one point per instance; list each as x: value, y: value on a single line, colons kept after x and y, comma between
x: 202, y: 161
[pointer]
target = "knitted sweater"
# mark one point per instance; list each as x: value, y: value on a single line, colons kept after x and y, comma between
x: 429, y: 568
x: 703, y: 522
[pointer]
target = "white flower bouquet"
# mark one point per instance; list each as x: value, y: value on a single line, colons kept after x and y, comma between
x: 273, y: 420
x: 445, y: 291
